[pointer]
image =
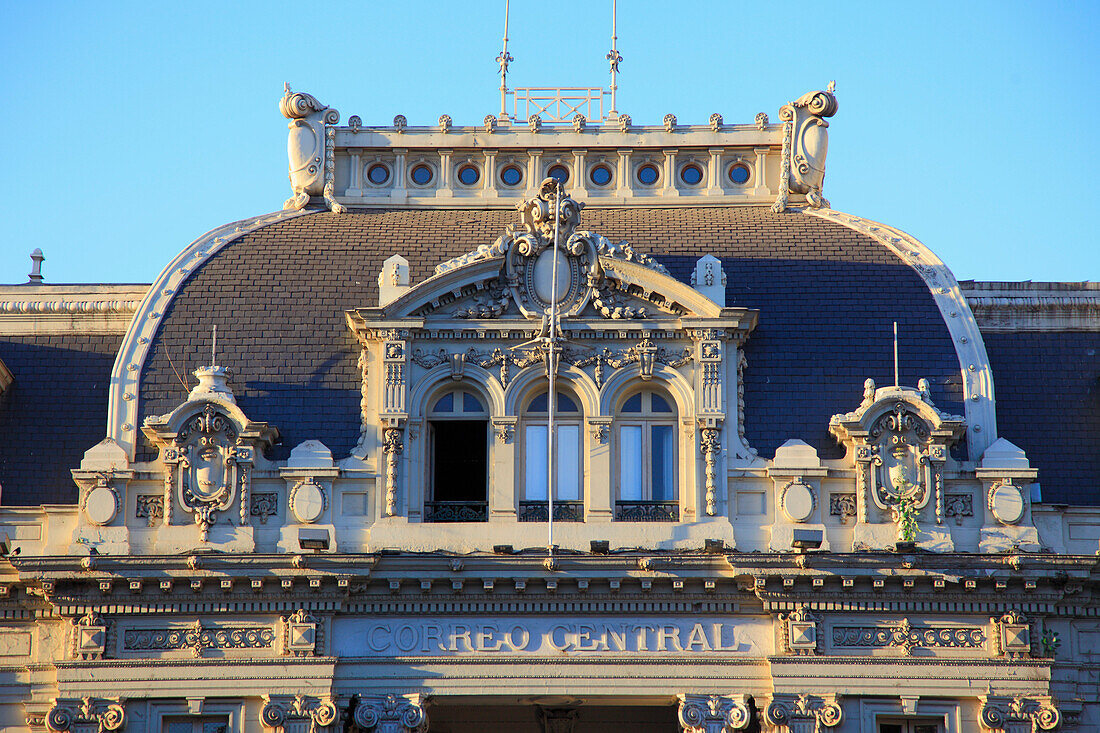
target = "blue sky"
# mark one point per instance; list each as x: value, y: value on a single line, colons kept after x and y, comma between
x: 132, y: 128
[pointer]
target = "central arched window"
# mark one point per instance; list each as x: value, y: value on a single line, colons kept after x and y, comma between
x: 568, y: 467
x: 646, y: 448
x: 458, y: 459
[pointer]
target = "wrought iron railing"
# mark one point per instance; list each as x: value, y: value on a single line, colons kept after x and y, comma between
x: 647, y: 511
x: 456, y: 511
x: 558, y: 105
x: 564, y: 511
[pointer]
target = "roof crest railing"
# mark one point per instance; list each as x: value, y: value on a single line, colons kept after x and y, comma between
x: 558, y: 105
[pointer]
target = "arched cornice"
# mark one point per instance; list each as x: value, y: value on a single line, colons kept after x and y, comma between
x: 977, y: 375
x: 678, y: 388
x: 438, y: 377
x: 575, y: 380
x: 123, y: 395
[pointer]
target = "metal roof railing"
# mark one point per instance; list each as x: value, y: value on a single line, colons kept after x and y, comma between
x: 558, y: 105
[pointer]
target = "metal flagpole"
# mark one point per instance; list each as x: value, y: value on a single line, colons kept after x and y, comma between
x: 503, y: 59
x: 895, y: 353
x: 551, y: 368
x: 615, y: 59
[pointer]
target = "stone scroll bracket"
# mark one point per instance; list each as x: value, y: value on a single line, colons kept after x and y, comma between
x: 802, y: 713
x: 713, y: 713
x: 389, y: 714
x: 86, y: 715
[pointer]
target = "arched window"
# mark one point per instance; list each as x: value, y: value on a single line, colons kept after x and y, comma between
x: 568, y: 467
x: 458, y: 459
x: 645, y: 431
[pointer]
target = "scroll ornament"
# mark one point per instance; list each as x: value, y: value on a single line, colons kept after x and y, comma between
x: 713, y: 713
x: 81, y: 714
x: 310, y: 148
x: 390, y: 714
x: 805, y: 144
x: 279, y: 709
x: 1039, y: 711
x: 823, y: 711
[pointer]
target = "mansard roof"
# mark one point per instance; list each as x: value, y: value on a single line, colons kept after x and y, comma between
x: 827, y: 296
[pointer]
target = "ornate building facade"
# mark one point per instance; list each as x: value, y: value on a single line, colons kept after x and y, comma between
x: 336, y: 436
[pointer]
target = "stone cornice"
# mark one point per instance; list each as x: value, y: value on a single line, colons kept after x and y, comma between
x: 68, y: 309
x: 1001, y: 307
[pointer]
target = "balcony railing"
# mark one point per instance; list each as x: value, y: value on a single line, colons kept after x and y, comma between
x: 647, y: 511
x: 456, y: 511
x: 564, y: 511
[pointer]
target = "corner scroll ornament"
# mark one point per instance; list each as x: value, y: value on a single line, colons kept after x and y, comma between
x: 278, y: 710
x: 529, y: 259
x: 390, y: 714
x: 999, y: 714
x: 713, y: 713
x: 805, y: 144
x: 821, y: 712
x: 310, y: 148
x: 86, y: 714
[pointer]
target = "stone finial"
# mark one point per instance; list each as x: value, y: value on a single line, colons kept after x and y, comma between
x: 534, y: 122
x: 393, y: 280
x: 579, y: 122
x: 355, y: 122
x: 761, y: 120
x: 213, y: 384
x: 670, y: 122
x: 36, y: 266
x: 715, y: 122
x: 444, y: 123
x: 624, y: 123
x: 400, y: 123
x: 490, y: 123
x: 709, y: 278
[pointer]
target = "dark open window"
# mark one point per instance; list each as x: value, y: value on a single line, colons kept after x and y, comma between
x: 458, y: 458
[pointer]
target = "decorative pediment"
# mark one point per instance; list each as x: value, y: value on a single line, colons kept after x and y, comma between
x: 901, y: 441
x: 522, y: 273
x: 208, y: 447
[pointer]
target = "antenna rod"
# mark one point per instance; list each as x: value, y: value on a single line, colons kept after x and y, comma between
x: 614, y: 57
x: 895, y: 353
x: 551, y: 368
x: 503, y: 59
x: 214, y: 347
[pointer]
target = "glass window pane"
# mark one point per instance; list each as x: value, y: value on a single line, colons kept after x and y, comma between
x: 470, y: 403
x: 664, y: 484
x: 634, y: 404
x: 569, y: 468
x: 659, y: 404
x: 446, y: 403
x: 539, y: 403
x: 566, y: 403
x: 535, y: 462
x: 178, y: 726
x: 630, y: 462
x: 219, y: 727
x: 890, y: 728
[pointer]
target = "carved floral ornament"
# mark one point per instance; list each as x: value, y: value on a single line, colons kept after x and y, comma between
x: 208, y: 448
x: 821, y: 711
x: 713, y: 713
x: 1038, y: 711
x: 280, y: 709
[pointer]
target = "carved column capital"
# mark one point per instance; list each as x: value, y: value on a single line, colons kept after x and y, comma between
x: 68, y: 713
x: 390, y: 714
x: 713, y: 713
x: 1024, y: 713
x: 278, y: 710
x: 803, y: 713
